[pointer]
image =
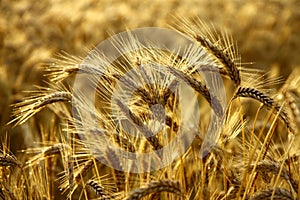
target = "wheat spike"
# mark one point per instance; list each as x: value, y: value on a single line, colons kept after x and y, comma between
x: 219, y: 45
x: 156, y: 187
x: 45, y: 152
x: 32, y: 105
x: 268, y: 101
x: 202, y: 89
x: 8, y: 160
x: 140, y: 126
x: 83, y: 171
x: 63, y: 66
x: 100, y: 190
x: 119, y: 175
x: 276, y: 194
x: 268, y: 166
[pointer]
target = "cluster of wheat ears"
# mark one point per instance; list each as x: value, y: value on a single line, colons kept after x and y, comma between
x: 253, y: 154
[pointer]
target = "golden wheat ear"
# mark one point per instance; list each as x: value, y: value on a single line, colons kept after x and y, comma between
x: 36, y: 102
x: 220, y: 45
x: 62, y: 66
x: 268, y: 166
x: 156, y: 187
x: 290, y: 93
x: 201, y: 88
x: 44, y: 152
x: 274, y: 193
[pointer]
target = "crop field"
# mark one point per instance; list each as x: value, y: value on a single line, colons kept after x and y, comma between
x: 150, y: 99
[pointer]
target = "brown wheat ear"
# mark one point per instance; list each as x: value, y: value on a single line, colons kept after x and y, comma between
x: 8, y: 160
x: 101, y: 192
x: 223, y: 57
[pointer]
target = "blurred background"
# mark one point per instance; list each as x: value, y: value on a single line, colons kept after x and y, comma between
x: 267, y: 33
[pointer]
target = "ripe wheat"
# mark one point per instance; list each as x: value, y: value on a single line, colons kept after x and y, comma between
x: 140, y: 105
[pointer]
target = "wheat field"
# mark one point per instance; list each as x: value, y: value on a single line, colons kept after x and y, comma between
x: 228, y: 103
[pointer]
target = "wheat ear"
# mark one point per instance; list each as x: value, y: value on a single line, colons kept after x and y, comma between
x: 119, y: 175
x: 156, y: 187
x: 26, y: 109
x: 223, y: 57
x: 263, y: 98
x: 201, y: 88
x: 83, y: 171
x: 220, y: 46
x: 140, y: 125
x: 275, y: 194
x: 268, y: 166
x: 8, y: 160
x: 101, y: 192
x: 46, y: 152
x: 293, y: 99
